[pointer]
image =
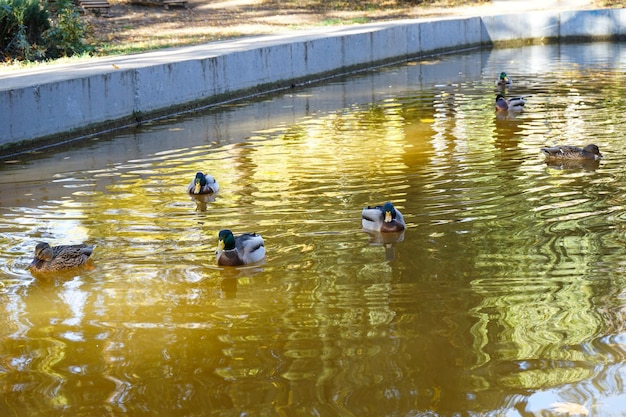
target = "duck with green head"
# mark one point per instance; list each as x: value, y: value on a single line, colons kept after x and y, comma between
x: 244, y: 249
x: 203, y: 184
x: 385, y: 218
x: 514, y: 104
x: 58, y: 258
x: 504, y: 80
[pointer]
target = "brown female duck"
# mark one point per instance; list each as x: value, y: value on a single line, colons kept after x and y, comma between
x: 59, y: 258
x: 590, y: 152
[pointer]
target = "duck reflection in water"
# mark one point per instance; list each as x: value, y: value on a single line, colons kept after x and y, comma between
x: 507, y: 115
x: 202, y: 201
x: 388, y: 240
x: 585, y: 165
x: 230, y: 278
x: 228, y: 288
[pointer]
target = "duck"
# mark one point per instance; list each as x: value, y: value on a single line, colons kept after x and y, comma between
x: 385, y: 218
x: 590, y: 152
x: 504, y: 80
x: 244, y: 249
x: 509, y: 104
x: 203, y: 184
x: 59, y: 258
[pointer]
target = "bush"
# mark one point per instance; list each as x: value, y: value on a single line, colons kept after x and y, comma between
x: 22, y: 25
x: 66, y: 37
x: 28, y: 33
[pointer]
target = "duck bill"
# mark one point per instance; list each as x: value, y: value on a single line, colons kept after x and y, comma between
x: 32, y: 264
x: 388, y: 217
x: 220, y: 246
x: 197, y: 188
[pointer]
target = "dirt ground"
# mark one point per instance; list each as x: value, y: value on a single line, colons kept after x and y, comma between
x: 129, y: 27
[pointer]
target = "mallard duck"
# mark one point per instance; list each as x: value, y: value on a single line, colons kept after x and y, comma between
x: 504, y: 80
x: 589, y: 152
x: 203, y: 184
x: 58, y: 258
x: 509, y: 104
x: 385, y: 218
x: 244, y: 249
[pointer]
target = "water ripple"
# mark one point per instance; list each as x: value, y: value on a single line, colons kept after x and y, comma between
x: 504, y: 293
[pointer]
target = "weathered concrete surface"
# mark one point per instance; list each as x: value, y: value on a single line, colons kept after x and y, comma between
x: 65, y: 101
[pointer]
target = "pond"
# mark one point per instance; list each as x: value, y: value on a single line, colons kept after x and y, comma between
x: 504, y: 298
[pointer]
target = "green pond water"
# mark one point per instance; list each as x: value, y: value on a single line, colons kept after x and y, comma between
x: 505, y: 296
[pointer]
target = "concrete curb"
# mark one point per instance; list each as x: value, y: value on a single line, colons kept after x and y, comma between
x: 61, y: 102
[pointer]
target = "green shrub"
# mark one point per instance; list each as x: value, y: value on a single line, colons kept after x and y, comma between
x: 22, y: 25
x: 28, y: 33
x: 66, y: 37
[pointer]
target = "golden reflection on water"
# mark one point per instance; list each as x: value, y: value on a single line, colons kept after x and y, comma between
x: 504, y: 294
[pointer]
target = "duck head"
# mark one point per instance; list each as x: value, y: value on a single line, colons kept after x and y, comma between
x: 199, y: 182
x: 390, y: 212
x: 591, y: 148
x: 43, y: 252
x: 225, y: 240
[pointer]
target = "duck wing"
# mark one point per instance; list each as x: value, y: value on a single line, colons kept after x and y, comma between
x: 373, y: 214
x: 552, y: 151
x: 399, y: 217
x: 516, y: 102
x: 211, y: 184
x: 561, y: 151
x: 372, y: 217
x: 72, y: 250
x: 250, y: 246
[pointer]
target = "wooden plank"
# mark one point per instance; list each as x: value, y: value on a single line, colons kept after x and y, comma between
x: 93, y: 4
x: 168, y: 3
x: 98, y: 7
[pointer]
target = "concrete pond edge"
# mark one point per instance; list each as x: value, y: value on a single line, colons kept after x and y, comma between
x: 56, y: 104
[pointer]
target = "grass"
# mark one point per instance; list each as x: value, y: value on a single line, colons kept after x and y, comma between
x: 339, y: 22
x: 610, y: 3
x: 142, y: 28
x: 20, y: 65
x: 132, y: 28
